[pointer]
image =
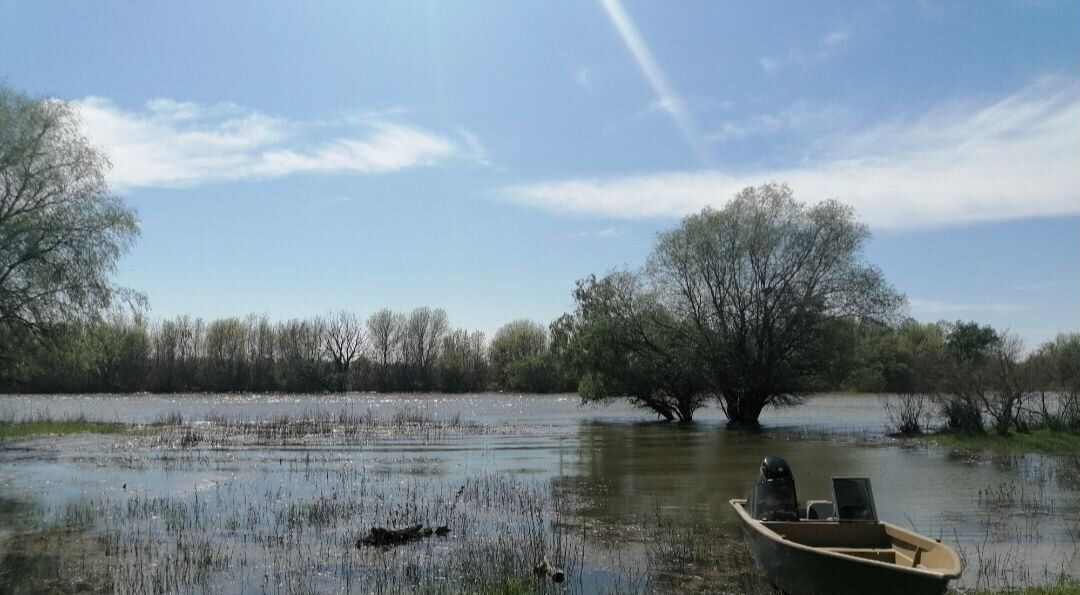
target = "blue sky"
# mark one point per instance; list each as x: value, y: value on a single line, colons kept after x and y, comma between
x: 292, y: 158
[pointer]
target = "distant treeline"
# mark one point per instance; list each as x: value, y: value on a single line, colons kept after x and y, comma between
x: 972, y: 378
x: 415, y: 351
x: 388, y: 351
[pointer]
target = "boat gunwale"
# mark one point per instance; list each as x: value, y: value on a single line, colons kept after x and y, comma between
x: 739, y: 504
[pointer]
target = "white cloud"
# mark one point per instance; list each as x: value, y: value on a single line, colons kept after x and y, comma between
x: 172, y: 143
x: 1014, y: 158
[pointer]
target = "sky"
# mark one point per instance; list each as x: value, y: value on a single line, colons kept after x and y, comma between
x: 294, y: 158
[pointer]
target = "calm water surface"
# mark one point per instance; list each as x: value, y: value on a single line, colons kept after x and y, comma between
x: 1019, y: 512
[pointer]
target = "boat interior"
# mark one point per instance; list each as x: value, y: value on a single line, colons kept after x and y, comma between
x: 872, y: 541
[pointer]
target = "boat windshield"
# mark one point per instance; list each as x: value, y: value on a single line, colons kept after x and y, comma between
x: 775, y: 501
x: 854, y: 499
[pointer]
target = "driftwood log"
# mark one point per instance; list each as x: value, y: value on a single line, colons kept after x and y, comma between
x: 544, y: 568
x: 382, y: 536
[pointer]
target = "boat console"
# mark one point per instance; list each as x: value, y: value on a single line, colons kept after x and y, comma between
x: 773, y: 498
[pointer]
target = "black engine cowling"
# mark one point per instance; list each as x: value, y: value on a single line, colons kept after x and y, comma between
x: 773, y: 497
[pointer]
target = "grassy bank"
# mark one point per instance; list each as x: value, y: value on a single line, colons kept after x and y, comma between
x: 25, y: 428
x: 1041, y: 441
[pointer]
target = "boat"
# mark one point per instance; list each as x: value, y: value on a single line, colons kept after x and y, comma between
x: 837, y: 547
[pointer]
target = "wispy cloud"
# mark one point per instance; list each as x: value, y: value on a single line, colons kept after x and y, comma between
x: 936, y: 307
x: 1046, y: 286
x: 667, y: 98
x: 1013, y: 158
x: 172, y: 143
x: 799, y: 116
x: 834, y: 40
x: 829, y: 44
x: 607, y: 232
x: 476, y: 149
x: 769, y: 64
x: 583, y: 78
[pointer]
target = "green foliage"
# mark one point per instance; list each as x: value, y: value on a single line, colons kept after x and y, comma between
x: 533, y: 374
x: 61, y: 228
x: 905, y: 358
x: 625, y: 344
x: 513, y: 342
x: 122, y: 353
x: 761, y: 290
x: 970, y: 343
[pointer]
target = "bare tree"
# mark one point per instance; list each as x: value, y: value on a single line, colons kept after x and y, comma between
x: 383, y: 332
x: 1056, y: 366
x: 423, y: 333
x: 1003, y: 395
x: 343, y: 337
x: 462, y: 364
x: 299, y: 345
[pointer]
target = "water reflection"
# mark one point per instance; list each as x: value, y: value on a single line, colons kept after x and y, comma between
x: 693, y: 470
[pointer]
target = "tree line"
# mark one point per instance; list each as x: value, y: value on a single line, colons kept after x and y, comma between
x: 751, y: 305
x: 970, y: 378
x: 340, y: 351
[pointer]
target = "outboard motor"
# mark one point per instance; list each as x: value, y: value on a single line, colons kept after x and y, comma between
x: 773, y: 497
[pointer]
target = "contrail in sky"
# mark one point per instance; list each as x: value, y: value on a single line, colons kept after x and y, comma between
x: 668, y: 98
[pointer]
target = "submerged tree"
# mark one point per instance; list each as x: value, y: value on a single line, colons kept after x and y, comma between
x: 61, y: 228
x: 752, y: 303
x: 627, y: 345
x: 762, y: 285
x: 1056, y: 366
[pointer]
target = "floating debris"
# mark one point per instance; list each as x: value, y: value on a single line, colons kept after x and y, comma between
x: 544, y: 568
x: 381, y: 536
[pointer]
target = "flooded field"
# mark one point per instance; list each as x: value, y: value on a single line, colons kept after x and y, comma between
x: 272, y: 493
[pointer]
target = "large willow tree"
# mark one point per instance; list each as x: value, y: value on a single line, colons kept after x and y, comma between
x: 61, y: 228
x: 766, y: 284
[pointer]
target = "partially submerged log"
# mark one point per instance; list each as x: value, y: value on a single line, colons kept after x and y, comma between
x: 544, y: 568
x: 382, y: 536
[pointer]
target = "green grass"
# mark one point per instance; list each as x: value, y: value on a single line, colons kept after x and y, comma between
x: 46, y: 427
x: 1042, y: 441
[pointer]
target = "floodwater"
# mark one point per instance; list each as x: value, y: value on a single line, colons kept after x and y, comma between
x: 1014, y: 519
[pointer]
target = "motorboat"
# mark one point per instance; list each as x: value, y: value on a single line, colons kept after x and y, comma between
x: 837, y: 546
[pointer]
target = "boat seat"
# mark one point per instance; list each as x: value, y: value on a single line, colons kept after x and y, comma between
x: 819, y: 510
x: 879, y: 554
